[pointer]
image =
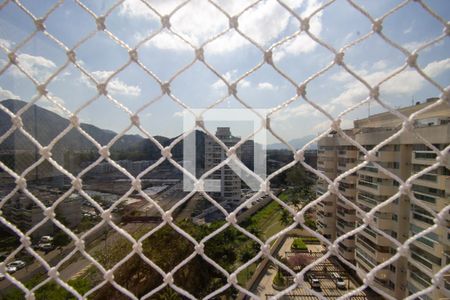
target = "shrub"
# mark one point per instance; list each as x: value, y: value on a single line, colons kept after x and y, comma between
x: 299, y: 244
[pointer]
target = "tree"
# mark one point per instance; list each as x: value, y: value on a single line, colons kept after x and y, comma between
x: 61, y: 239
x: 299, y: 261
x: 286, y: 217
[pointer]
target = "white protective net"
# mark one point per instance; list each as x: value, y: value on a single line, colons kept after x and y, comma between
x: 373, y: 94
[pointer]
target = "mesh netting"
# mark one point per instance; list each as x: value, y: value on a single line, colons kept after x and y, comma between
x: 266, y: 59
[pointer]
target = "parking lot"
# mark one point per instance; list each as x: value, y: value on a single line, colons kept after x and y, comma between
x: 323, y: 272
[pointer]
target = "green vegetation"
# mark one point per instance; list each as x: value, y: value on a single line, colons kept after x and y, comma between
x: 266, y: 222
x: 298, y: 244
x: 279, y: 280
x: 51, y: 290
x: 310, y: 240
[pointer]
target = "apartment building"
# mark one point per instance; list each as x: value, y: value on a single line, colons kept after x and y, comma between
x: 25, y: 213
x: 335, y: 156
x: 227, y: 182
x: 402, y: 218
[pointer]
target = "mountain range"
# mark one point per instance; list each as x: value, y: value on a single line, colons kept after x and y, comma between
x: 45, y: 125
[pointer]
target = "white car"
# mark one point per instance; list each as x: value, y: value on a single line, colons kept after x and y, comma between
x: 46, y: 239
x: 340, y: 283
x: 315, y: 283
x: 46, y: 246
x: 15, y: 266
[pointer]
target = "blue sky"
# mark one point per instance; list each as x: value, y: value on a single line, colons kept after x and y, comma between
x: 231, y: 55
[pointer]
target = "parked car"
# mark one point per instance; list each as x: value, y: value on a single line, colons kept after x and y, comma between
x: 315, y: 283
x: 45, y: 239
x: 46, y: 247
x: 15, y: 266
x: 339, y: 281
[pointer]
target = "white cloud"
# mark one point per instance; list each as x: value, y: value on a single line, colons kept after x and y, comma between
x: 178, y: 114
x: 7, y: 94
x: 380, y: 65
x: 405, y: 83
x: 266, y: 86
x: 115, y: 85
x: 325, y: 125
x: 230, y: 77
x: 6, y: 43
x: 199, y: 20
x: 38, y: 67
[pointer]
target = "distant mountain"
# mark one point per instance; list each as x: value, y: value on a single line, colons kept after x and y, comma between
x: 45, y: 125
x: 296, y: 143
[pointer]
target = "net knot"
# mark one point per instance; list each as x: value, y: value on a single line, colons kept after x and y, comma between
x: 109, y: 275
x: 447, y: 28
x: 137, y: 184
x: 106, y: 215
x: 233, y: 22
x: 265, y: 250
x: 304, y: 25
x: 412, y: 60
x: 231, y: 218
x: 45, y: 152
x: 231, y: 152
x: 138, y: 247
x: 268, y: 57
x: 339, y: 58
x: 165, y: 21
x: 21, y: 183
x: 165, y: 152
x: 17, y: 121
x: 104, y: 152
x: 74, y: 120
x: 299, y: 218
x: 199, y: 54
x: 12, y: 58
x: 375, y: 92
x: 167, y: 217
x: 133, y: 55
x: 405, y: 189
x: 264, y: 187
x: 135, y: 120
x: 49, y: 212
x: 42, y: 89
x: 298, y: 280
x: 403, y: 250
x: 377, y: 26
x: 165, y: 87
x: 299, y: 155
x: 301, y: 90
x: 101, y: 88
x: 232, y: 279
x: 77, y: 184
x: 53, y: 273
x: 168, y: 279
x: 232, y: 89
x: 25, y: 240
x: 370, y: 156
x: 200, y: 249
x: 100, y: 21
x: 71, y: 56
x: 39, y: 23
x: 200, y: 186
x: 80, y: 244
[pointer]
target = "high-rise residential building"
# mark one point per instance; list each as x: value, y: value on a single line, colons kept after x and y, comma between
x: 336, y: 155
x: 404, y: 156
x: 229, y: 182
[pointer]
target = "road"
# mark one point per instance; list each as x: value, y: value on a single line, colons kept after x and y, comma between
x: 166, y: 200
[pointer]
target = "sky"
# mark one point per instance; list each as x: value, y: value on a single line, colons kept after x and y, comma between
x: 230, y: 55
